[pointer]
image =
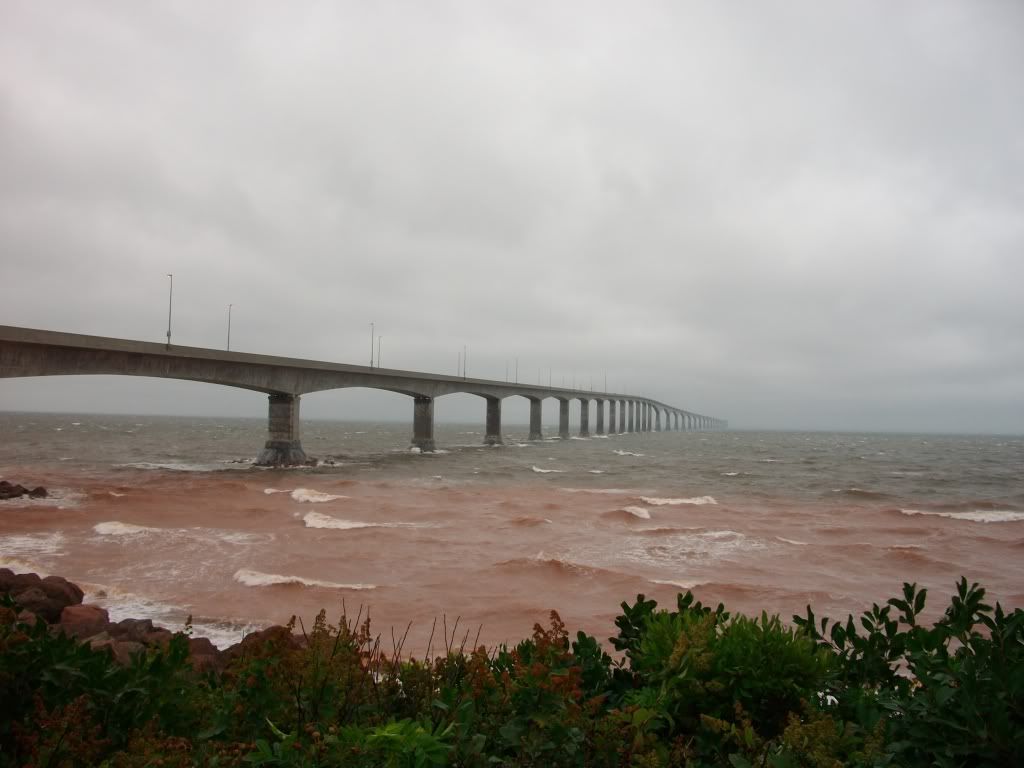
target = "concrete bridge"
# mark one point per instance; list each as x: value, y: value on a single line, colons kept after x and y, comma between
x: 33, y: 352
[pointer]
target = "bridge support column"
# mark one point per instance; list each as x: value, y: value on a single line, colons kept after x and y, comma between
x: 563, y: 419
x: 600, y: 417
x: 611, y: 418
x: 423, y: 424
x: 493, y: 432
x: 632, y: 416
x: 622, y: 416
x: 657, y: 420
x: 584, y: 417
x: 535, y: 419
x: 283, y: 447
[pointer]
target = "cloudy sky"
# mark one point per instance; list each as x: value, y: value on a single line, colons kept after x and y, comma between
x: 789, y: 214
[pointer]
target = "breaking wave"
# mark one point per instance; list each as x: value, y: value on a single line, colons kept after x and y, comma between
x: 315, y: 497
x: 545, y: 471
x: 975, y: 516
x: 115, y: 528
x: 251, y: 578
x: 697, y: 500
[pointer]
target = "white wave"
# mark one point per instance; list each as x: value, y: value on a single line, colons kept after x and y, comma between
x: 579, y: 438
x: 115, y: 494
x: 599, y: 437
x: 115, y: 528
x: 771, y: 461
x: 545, y: 471
x: 318, y: 520
x: 596, y: 490
x: 269, y: 491
x: 791, y: 541
x: 975, y: 516
x: 730, y: 474
x: 21, y: 544
x: 626, y: 453
x: 654, y: 501
x: 638, y: 512
x: 680, y: 584
x: 414, y: 449
x: 178, y: 466
x: 596, y: 471
x: 251, y: 578
x: 315, y: 497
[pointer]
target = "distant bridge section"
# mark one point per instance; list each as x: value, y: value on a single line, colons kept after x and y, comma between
x: 33, y: 352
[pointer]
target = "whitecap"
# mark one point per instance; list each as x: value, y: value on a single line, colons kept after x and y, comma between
x: 414, y: 449
x: 697, y: 500
x: 314, y: 497
x: 791, y: 541
x: 975, y: 516
x: 269, y: 491
x: 251, y: 578
x: 640, y: 512
x: 596, y: 471
x: 626, y: 453
x: 318, y: 520
x: 115, y: 528
x: 19, y: 544
x: 545, y: 471
x: 680, y: 584
x: 596, y: 490
x: 115, y: 494
x: 730, y: 474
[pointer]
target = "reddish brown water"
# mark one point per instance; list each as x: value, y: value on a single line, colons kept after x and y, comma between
x: 488, y: 538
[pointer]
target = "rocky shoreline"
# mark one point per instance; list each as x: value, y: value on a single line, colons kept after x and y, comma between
x: 58, y: 603
x: 9, y: 490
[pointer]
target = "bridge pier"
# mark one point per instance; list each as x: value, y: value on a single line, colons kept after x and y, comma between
x: 584, y: 417
x: 657, y: 420
x: 536, y: 432
x: 622, y: 416
x: 600, y: 417
x: 283, y: 447
x: 493, y: 431
x: 423, y: 424
x: 563, y: 419
x: 632, y: 415
x: 611, y: 418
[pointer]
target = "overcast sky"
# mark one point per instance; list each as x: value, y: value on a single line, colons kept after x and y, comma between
x: 788, y: 214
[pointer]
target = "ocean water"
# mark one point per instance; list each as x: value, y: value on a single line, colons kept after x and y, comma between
x: 166, y: 518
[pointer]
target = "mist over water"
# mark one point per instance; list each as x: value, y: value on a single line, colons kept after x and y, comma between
x: 166, y: 517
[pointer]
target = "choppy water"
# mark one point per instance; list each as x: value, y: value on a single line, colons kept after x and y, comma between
x: 163, y: 517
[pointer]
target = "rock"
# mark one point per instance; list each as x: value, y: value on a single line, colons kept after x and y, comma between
x: 13, y: 583
x: 135, y: 630
x: 59, y: 587
x: 84, y: 620
x: 36, y: 599
x: 158, y: 637
x: 201, y: 646
x: 15, y: 490
x: 203, y: 663
x: 27, y: 617
x: 277, y: 636
x: 121, y: 650
x: 11, y: 491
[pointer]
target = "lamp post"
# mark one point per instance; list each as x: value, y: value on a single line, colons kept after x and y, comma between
x: 170, y: 300
x: 378, y: 350
x: 229, y: 326
x: 371, y: 345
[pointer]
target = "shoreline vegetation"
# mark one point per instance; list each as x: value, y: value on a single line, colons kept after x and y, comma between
x: 691, y: 686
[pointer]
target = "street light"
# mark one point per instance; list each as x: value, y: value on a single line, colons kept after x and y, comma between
x: 371, y: 345
x: 378, y: 350
x: 170, y: 299
x: 229, y: 326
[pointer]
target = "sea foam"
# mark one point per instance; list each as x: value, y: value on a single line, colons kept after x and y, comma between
x: 638, y: 512
x: 976, y: 516
x: 318, y: 520
x: 314, y: 497
x: 545, y: 471
x: 626, y: 453
x: 697, y: 500
x: 251, y: 578
x: 116, y: 528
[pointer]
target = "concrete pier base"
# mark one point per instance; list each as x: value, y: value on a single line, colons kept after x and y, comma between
x: 423, y: 424
x: 584, y: 417
x: 600, y: 417
x: 630, y: 421
x: 622, y: 416
x: 536, y: 432
x: 612, y: 424
x: 493, y: 431
x: 283, y: 447
x: 563, y: 419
